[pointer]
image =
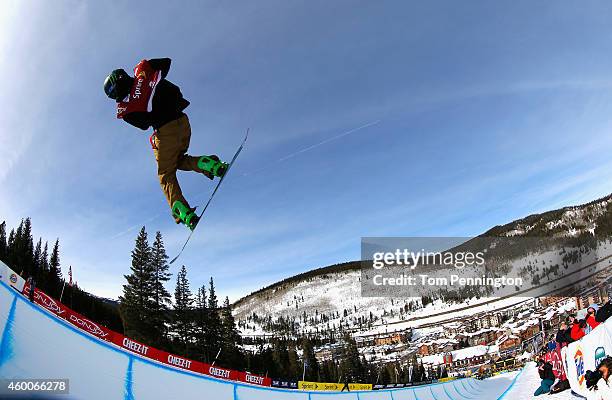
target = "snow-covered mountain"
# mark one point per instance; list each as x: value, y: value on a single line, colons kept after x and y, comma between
x: 328, y: 299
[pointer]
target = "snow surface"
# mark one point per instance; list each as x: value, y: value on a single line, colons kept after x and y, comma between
x: 36, y: 344
x: 528, y: 382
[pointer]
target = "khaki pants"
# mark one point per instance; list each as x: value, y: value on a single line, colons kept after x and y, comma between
x: 170, y: 148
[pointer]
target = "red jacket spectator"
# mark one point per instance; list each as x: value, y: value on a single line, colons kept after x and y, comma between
x: 553, y: 356
x: 590, y: 319
x: 577, y: 331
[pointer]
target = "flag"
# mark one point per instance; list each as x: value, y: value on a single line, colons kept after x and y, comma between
x: 70, y: 275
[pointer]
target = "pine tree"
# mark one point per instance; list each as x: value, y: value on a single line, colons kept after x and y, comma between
x: 27, y: 248
x: 161, y: 297
x: 293, y: 369
x: 201, y: 324
x: 308, y: 357
x: 10, y: 243
x: 44, y: 269
x: 55, y: 273
x: 14, y: 244
x: 213, y: 331
x: 183, y: 305
x: 135, y: 303
x: 230, y: 333
x: 231, y: 338
x: 36, y: 262
x: 45, y: 258
x: 38, y: 256
x: 280, y: 355
x: 351, y: 366
x: 3, y: 242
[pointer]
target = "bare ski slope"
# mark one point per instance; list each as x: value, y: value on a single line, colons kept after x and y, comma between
x: 36, y: 344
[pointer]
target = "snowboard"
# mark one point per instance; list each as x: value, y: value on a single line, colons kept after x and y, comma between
x: 229, y: 167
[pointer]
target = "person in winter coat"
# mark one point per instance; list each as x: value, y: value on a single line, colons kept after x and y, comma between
x: 31, y: 288
x: 603, y: 389
x: 545, y: 371
x: 148, y: 99
x: 564, y: 335
x: 604, y: 312
x: 553, y: 356
x: 577, y: 328
x: 590, y: 319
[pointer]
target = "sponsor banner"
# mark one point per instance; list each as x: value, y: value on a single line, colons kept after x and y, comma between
x: 11, y: 278
x: 48, y: 303
x: 247, y: 377
x: 428, y: 382
x: 284, y: 384
x: 585, y: 354
x: 395, y: 385
x: 88, y: 325
x: 327, y: 386
x: 136, y: 347
x: 360, y: 386
x: 450, y: 378
x: 180, y: 362
x: 316, y: 386
x: 220, y: 372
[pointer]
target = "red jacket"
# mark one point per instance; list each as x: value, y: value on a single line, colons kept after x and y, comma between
x: 554, y: 358
x: 577, y: 331
x: 591, y: 321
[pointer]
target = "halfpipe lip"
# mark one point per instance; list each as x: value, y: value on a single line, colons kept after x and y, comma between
x: 155, y: 363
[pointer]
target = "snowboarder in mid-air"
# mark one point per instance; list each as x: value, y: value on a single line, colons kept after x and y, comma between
x: 149, y: 100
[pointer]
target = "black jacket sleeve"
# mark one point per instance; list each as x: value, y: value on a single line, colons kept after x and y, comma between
x: 140, y: 120
x: 161, y: 64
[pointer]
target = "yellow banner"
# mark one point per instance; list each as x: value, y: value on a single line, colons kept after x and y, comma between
x: 304, y: 385
x: 325, y: 386
x: 360, y: 386
x: 450, y: 378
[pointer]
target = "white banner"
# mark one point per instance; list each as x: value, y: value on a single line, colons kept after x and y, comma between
x: 585, y: 355
x: 11, y: 278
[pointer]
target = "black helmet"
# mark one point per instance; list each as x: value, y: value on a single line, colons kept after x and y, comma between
x: 117, y: 85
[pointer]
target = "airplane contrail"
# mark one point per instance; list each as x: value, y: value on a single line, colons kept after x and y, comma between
x: 305, y: 149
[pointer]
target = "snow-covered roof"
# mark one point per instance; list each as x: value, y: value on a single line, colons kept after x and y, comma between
x: 505, y: 337
x: 481, y: 331
x: 461, y: 354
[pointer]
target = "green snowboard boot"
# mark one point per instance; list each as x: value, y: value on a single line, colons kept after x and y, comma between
x: 185, y: 215
x: 212, y: 166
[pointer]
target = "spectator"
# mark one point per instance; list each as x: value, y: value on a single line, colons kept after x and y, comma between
x: 604, y: 312
x: 602, y: 389
x: 548, y: 378
x: 564, y: 336
x: 591, y: 323
x: 346, y: 385
x: 577, y: 327
x: 553, y: 356
x: 31, y: 288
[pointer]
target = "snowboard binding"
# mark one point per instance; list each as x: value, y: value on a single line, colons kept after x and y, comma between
x: 211, y: 166
x: 185, y: 215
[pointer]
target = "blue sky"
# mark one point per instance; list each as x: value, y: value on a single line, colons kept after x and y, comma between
x: 447, y: 118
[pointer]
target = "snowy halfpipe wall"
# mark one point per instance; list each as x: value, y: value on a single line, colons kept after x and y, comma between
x: 36, y: 344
